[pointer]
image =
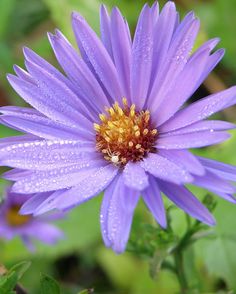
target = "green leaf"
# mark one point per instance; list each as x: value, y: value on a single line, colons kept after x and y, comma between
x: 8, y: 283
x: 48, y: 285
x: 20, y: 268
x: 86, y: 291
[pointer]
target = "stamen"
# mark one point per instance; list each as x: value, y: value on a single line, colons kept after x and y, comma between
x: 125, y: 134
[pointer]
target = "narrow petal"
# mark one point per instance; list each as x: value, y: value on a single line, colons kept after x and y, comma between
x: 105, y: 27
x: 141, y: 63
x: 30, y: 205
x: 204, y: 125
x: 56, y: 179
x: 76, y: 69
x: 87, y: 187
x: 177, y: 57
x: 212, y: 182
x: 44, y: 232
x: 163, y: 32
x: 226, y: 171
x: 184, y: 159
x: 44, y: 100
x: 31, y: 121
x: 191, y: 140
x: 201, y: 109
x: 121, y: 50
x: 117, y: 214
x: 46, y: 154
x: 98, y: 57
x: 153, y: 200
x: 135, y: 176
x: 165, y: 169
x: 181, y: 91
x: 185, y: 200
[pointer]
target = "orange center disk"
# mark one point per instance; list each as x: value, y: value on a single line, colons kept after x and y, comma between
x: 125, y: 134
x: 13, y: 217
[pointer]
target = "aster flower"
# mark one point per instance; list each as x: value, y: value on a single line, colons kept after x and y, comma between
x: 117, y: 122
x: 27, y: 227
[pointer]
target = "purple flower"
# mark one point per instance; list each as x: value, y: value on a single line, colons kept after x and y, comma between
x: 117, y: 121
x: 27, y: 227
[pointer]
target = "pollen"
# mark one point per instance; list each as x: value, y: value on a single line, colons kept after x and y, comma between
x: 14, y: 219
x: 125, y: 134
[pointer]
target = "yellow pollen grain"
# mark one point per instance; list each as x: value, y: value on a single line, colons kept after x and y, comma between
x: 96, y: 127
x: 121, y: 130
x: 138, y: 146
x: 131, y: 144
x: 111, y: 111
x: 154, y: 132
x: 136, y: 128
x: 145, y: 131
x: 137, y: 134
x: 124, y: 100
x: 102, y: 117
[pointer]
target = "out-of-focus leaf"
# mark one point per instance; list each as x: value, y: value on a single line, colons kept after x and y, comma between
x: 49, y: 285
x: 218, y: 19
x: 6, y: 8
x: 20, y: 268
x: 8, y: 283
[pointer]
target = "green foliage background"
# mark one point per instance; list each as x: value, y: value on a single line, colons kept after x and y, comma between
x: 81, y: 260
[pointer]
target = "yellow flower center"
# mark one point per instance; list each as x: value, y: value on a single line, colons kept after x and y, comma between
x: 13, y: 217
x: 125, y: 134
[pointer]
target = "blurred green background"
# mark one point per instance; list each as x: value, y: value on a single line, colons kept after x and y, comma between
x: 81, y: 260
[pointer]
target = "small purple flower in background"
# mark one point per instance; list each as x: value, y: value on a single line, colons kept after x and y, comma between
x: 117, y: 121
x: 27, y: 227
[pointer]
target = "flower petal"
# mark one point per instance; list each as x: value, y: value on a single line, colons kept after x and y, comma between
x: 184, y: 159
x: 185, y: 200
x: 135, y: 176
x: 121, y: 46
x: 31, y: 121
x: 76, y: 69
x: 165, y: 169
x: 117, y: 213
x: 191, y: 140
x: 46, y: 154
x: 200, y: 110
x: 153, y: 200
x: 97, y: 55
x: 105, y: 27
x: 141, y: 63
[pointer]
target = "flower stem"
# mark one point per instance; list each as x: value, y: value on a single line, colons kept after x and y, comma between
x: 180, y: 273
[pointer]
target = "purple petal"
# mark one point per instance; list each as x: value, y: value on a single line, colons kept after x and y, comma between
x: 163, y: 32
x: 191, y: 140
x: 181, y: 91
x: 185, y: 200
x: 153, y: 200
x: 76, y: 69
x: 214, y: 183
x: 184, y: 159
x: 226, y: 171
x: 200, y: 110
x: 31, y: 205
x: 87, y: 187
x: 56, y: 179
x: 165, y: 169
x: 46, y: 233
x: 116, y: 215
x: 46, y: 154
x: 204, y: 125
x: 141, y: 63
x: 135, y: 176
x: 105, y: 27
x: 177, y: 57
x: 98, y: 56
x: 121, y: 50
x: 31, y: 121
